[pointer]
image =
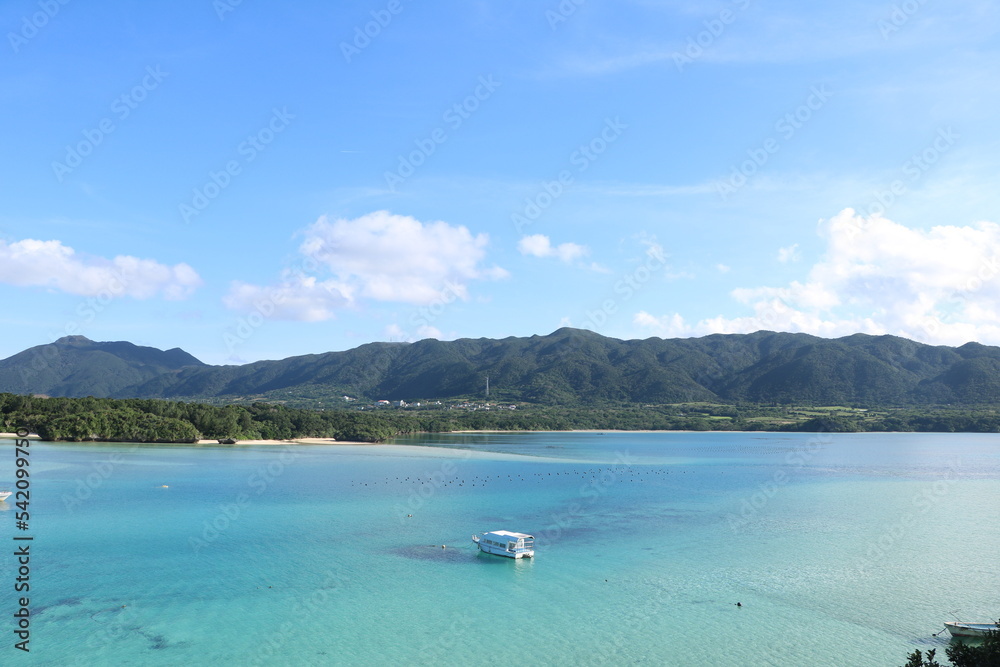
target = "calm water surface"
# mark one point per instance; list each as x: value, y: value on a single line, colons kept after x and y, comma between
x: 843, y: 550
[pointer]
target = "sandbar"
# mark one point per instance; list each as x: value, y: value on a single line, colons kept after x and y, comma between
x: 293, y: 441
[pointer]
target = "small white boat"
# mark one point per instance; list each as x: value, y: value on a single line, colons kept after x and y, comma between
x: 960, y: 629
x: 505, y: 543
x: 4, y: 495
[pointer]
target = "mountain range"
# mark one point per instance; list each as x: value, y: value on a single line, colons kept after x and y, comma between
x: 568, y: 366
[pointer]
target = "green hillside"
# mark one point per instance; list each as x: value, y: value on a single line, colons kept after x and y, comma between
x: 567, y: 367
x: 77, y: 366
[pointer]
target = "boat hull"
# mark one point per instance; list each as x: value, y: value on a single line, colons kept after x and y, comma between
x: 500, y: 551
x: 970, y: 629
x: 485, y: 548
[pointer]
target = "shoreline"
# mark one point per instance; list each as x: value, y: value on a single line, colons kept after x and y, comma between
x: 291, y: 441
x: 576, y: 430
x: 394, y: 440
x: 215, y: 441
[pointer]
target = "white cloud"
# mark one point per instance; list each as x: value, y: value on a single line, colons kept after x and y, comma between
x: 34, y: 263
x: 723, y: 268
x: 789, y: 254
x: 427, y: 331
x: 296, y: 297
x: 396, y: 333
x: 539, y: 245
x: 941, y: 286
x: 379, y: 256
x: 668, y: 326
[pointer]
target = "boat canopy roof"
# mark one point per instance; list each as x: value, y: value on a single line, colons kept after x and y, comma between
x: 507, y: 533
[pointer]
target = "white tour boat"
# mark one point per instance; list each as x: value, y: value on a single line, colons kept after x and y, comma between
x: 505, y: 543
x: 960, y: 629
x: 4, y: 495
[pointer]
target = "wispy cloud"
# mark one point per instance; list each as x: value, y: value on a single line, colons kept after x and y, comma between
x: 774, y: 36
x: 539, y: 245
x: 789, y: 254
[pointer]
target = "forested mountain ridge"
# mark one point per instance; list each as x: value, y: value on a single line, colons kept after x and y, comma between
x: 568, y: 366
x: 78, y: 366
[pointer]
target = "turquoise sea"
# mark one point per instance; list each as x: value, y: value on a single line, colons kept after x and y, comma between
x: 842, y: 550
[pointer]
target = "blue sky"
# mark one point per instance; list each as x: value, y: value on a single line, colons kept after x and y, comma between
x: 250, y: 180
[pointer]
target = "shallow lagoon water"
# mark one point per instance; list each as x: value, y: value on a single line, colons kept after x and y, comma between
x: 843, y: 549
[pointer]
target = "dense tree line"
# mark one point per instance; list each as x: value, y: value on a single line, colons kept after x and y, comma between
x: 986, y: 654
x: 117, y: 425
x: 151, y: 420
x: 140, y: 420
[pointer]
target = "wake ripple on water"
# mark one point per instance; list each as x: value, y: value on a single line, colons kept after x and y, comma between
x: 457, y: 555
x: 434, y: 552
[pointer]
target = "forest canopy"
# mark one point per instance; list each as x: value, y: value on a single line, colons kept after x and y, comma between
x: 154, y: 420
